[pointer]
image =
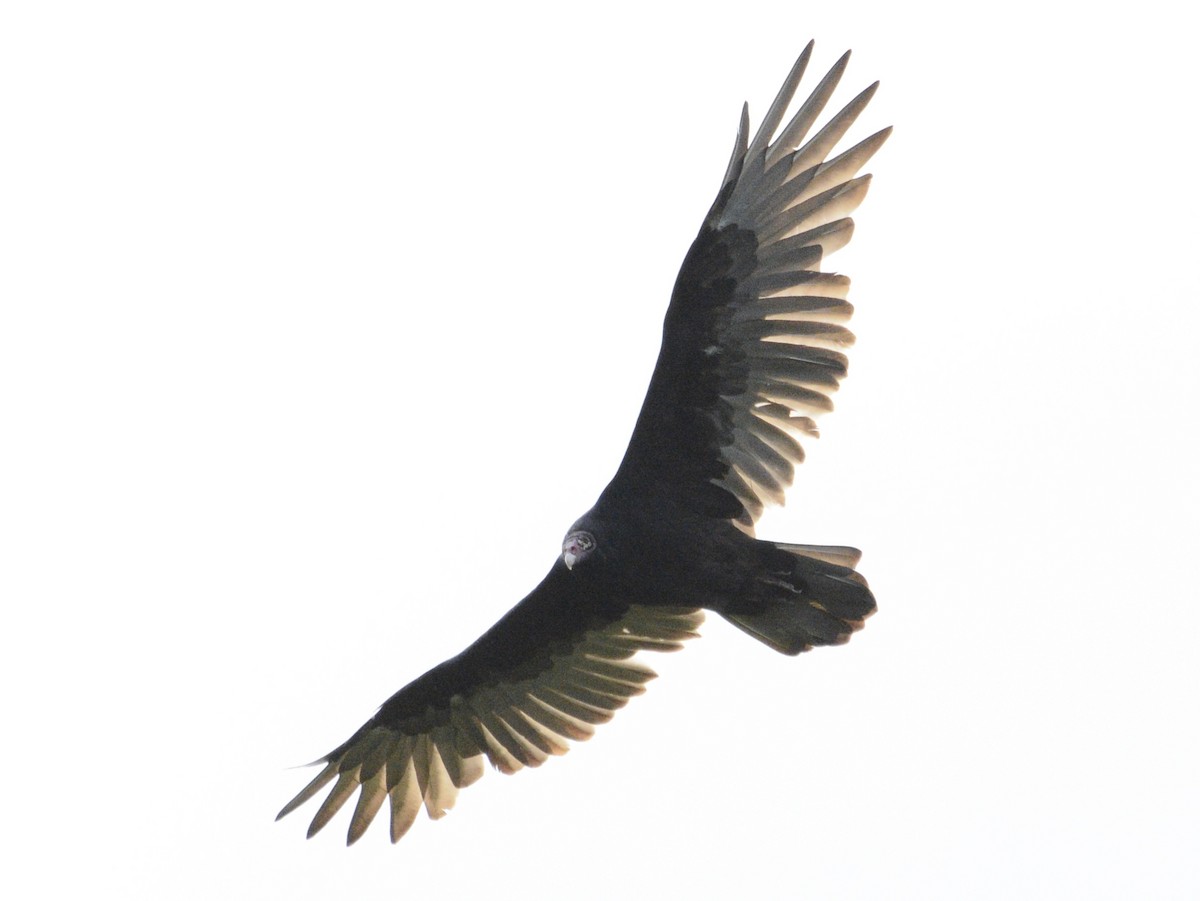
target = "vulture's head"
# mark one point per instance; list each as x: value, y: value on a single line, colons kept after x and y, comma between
x: 577, y: 547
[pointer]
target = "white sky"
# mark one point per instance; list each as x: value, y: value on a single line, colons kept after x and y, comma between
x: 321, y: 322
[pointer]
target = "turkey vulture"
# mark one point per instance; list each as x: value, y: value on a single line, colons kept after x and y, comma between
x: 750, y: 352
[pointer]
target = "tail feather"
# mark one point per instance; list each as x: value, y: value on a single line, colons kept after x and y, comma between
x: 830, y: 553
x: 807, y: 595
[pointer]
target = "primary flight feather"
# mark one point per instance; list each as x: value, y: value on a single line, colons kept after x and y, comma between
x: 751, y: 351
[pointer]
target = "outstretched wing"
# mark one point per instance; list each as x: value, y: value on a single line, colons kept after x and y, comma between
x: 753, y: 337
x: 549, y: 671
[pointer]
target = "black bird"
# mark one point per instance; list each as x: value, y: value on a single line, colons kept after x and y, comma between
x: 749, y: 354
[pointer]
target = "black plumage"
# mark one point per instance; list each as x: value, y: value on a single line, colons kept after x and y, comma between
x: 751, y: 351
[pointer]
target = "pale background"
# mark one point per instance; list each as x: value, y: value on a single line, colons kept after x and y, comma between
x: 321, y: 322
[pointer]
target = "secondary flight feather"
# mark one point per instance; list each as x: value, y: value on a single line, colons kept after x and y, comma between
x: 751, y: 350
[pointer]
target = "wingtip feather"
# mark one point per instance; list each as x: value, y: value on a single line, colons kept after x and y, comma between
x: 318, y: 782
x: 774, y: 114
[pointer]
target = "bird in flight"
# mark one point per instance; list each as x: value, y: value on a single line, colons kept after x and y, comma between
x: 751, y: 351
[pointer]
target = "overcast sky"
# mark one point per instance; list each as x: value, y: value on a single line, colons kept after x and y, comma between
x: 320, y: 323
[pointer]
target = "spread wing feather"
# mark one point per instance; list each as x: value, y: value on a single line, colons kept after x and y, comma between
x: 752, y: 339
x: 515, y: 698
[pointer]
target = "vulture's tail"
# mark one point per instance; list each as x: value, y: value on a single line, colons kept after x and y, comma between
x: 807, y: 595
